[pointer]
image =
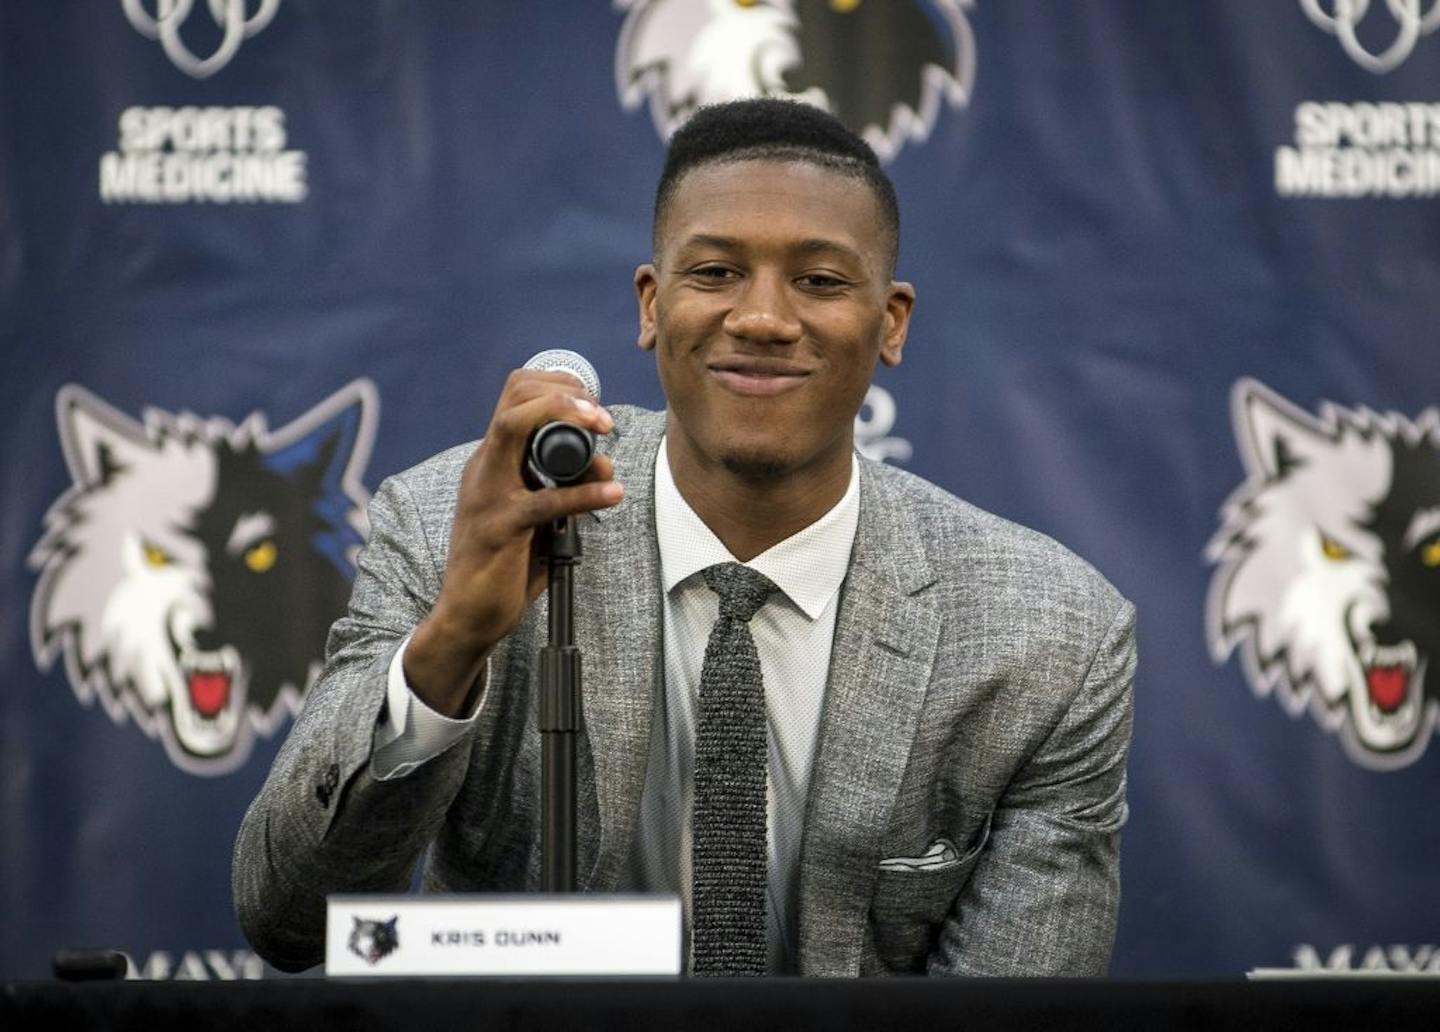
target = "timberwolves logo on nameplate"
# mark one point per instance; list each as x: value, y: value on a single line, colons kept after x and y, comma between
x: 883, y: 67
x: 190, y: 572
x: 1328, y: 578
x: 372, y: 941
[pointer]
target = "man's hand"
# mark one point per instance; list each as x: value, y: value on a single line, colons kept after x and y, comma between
x: 493, y: 572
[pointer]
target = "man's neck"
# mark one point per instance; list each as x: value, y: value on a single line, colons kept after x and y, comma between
x: 748, y: 515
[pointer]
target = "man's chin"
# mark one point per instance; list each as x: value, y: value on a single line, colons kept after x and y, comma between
x: 756, y: 468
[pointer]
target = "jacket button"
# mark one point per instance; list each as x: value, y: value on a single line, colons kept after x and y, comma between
x: 326, y: 788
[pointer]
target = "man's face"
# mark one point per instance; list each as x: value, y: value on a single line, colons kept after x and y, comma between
x: 769, y: 302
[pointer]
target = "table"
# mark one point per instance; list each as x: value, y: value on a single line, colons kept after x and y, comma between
x: 786, y: 1005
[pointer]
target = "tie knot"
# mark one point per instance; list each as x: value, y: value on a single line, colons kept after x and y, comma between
x: 742, y: 590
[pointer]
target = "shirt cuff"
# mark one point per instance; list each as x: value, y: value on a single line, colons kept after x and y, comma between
x: 414, y: 733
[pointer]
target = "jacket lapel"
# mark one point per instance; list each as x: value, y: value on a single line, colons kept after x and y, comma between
x: 618, y: 623
x: 886, y: 634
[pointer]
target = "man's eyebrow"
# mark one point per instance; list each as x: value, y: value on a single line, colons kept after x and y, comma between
x: 814, y: 245
x: 719, y: 243
x: 822, y: 246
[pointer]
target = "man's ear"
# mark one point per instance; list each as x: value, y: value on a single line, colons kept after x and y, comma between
x: 646, y: 282
x: 898, y: 304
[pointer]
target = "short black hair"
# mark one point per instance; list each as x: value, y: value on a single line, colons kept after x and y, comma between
x: 769, y: 129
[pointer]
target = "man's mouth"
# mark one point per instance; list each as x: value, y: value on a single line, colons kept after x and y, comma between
x: 759, y: 377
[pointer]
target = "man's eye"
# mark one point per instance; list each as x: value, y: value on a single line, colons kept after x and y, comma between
x: 822, y: 281
x: 715, y: 272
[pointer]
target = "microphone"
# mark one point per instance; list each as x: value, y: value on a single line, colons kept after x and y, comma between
x: 560, y: 453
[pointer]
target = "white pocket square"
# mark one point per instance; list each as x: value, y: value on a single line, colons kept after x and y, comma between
x: 941, y: 854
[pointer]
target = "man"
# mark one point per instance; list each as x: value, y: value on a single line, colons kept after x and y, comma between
x: 946, y: 695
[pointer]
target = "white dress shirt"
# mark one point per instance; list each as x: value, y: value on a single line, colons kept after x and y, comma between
x: 793, y: 635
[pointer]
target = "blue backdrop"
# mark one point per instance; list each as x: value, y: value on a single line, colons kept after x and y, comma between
x: 1177, y: 278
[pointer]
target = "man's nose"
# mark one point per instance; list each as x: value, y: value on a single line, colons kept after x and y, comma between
x: 764, y: 312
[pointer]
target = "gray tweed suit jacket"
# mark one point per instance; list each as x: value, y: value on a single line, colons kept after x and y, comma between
x: 979, y: 696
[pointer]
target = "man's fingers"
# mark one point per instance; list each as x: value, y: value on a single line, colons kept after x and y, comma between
x: 522, y: 376
x: 601, y: 468
x: 555, y: 502
x: 524, y: 385
x: 513, y: 423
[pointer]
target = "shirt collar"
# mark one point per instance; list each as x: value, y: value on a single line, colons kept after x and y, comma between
x: 808, y: 566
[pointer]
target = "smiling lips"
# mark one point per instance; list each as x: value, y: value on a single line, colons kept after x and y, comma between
x: 758, y: 377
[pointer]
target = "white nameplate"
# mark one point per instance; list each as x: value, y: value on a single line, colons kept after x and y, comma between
x: 502, y: 935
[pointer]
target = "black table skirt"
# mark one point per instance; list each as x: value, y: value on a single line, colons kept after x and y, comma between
x: 786, y: 1005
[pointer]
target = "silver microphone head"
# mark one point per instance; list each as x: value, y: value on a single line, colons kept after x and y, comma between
x: 560, y: 360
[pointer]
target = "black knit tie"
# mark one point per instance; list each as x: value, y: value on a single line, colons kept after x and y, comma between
x: 728, y: 852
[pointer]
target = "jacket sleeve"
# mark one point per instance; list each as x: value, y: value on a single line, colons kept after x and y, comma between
x: 321, y: 823
x: 1045, y: 892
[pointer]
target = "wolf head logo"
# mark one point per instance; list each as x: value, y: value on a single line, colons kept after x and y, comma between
x: 189, y: 574
x: 1328, y: 578
x: 882, y: 67
x: 372, y: 940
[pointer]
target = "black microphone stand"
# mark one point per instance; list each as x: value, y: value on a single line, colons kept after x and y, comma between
x: 560, y: 714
